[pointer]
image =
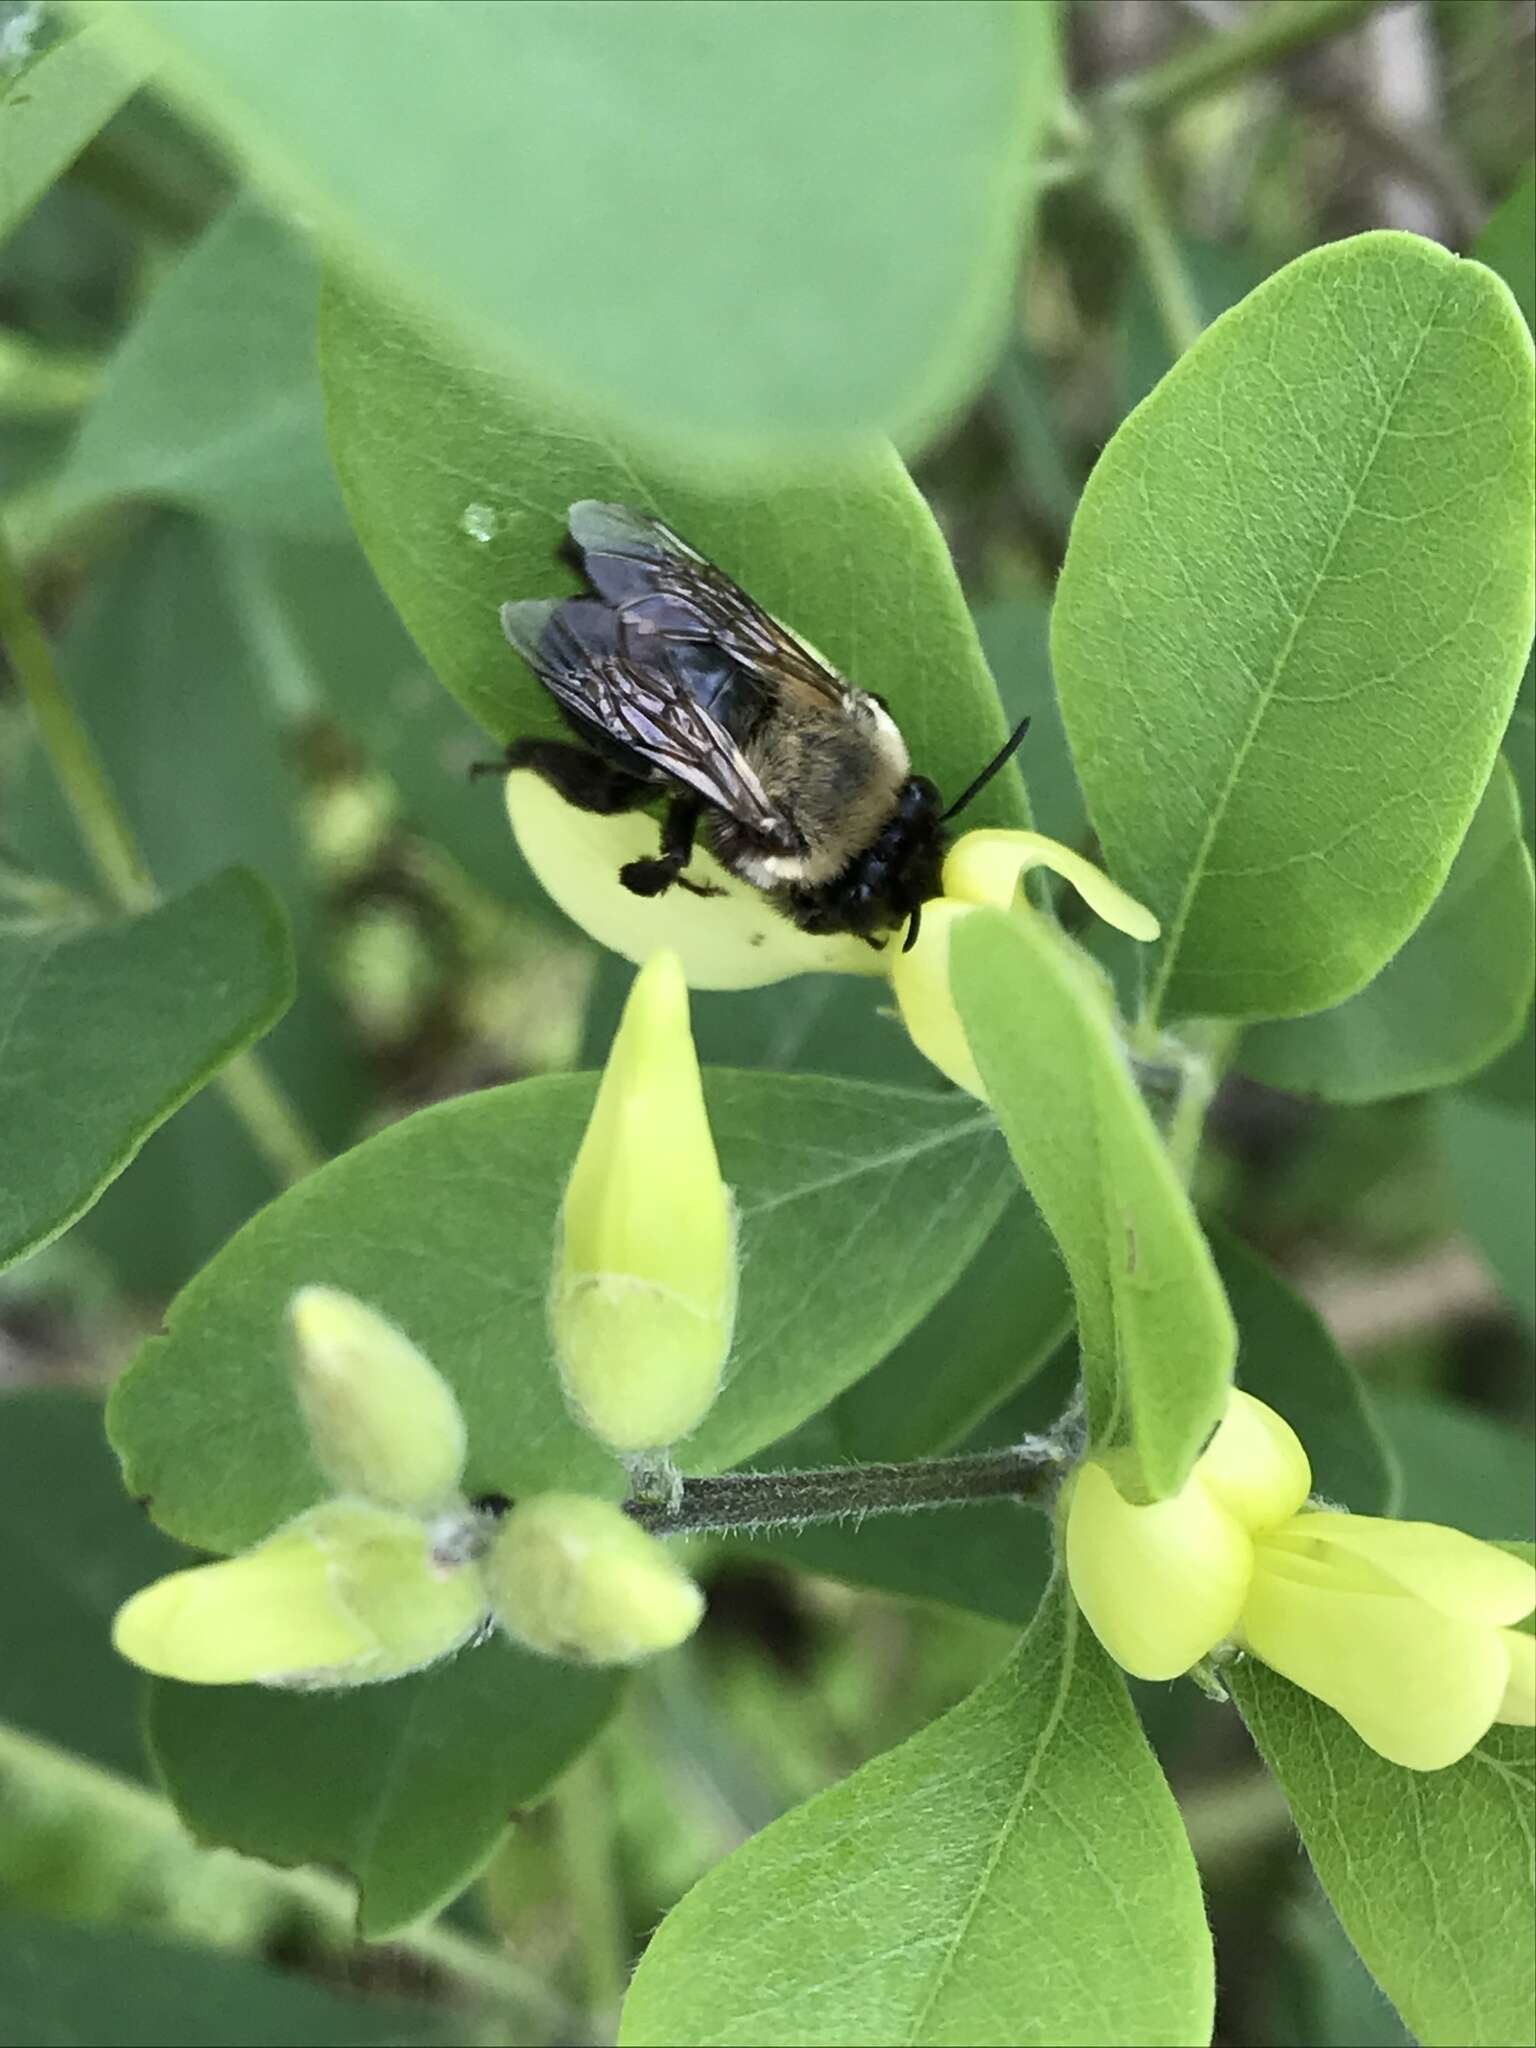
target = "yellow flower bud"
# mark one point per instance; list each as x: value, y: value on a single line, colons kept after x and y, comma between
x: 382, y: 1421
x: 984, y: 870
x: 574, y: 1577
x: 345, y: 1594
x: 644, y: 1293
x: 734, y: 940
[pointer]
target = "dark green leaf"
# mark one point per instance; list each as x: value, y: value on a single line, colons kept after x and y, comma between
x: 51, y: 106
x: 1489, y: 1151
x: 73, y: 1547
x: 1293, y: 616
x: 1453, y: 998
x: 1430, y: 1871
x: 714, y: 236
x: 1015, y: 1874
x: 212, y: 401
x: 83, y: 1987
x: 856, y: 1205
x: 1154, y: 1329
x: 1015, y: 637
x: 1459, y: 1466
x: 106, y: 1029
x: 407, y: 1787
x: 458, y: 480
x: 1508, y: 243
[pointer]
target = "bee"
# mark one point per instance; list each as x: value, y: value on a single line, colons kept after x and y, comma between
x: 672, y: 679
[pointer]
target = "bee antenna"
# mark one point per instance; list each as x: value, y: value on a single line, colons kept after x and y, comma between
x: 1004, y: 754
x: 914, y: 926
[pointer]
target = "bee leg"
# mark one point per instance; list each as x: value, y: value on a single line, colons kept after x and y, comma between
x: 582, y: 778
x: 653, y: 877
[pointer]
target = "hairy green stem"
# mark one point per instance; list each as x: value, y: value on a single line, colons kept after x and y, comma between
x: 274, y: 1126
x: 584, y: 1824
x: 1027, y: 1471
x: 1267, y: 36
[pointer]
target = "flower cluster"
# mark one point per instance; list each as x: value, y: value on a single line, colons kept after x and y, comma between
x: 1406, y: 1629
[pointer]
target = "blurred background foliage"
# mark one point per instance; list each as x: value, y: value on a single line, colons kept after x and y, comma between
x: 165, y: 482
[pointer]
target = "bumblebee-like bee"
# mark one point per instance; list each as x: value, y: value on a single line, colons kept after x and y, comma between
x: 674, y: 679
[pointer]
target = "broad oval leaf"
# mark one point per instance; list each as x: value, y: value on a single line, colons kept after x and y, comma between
x: 856, y: 1204
x: 723, y: 229
x: 407, y: 1787
x: 458, y: 479
x: 1488, y: 1152
x: 1016, y: 1873
x: 1430, y: 1871
x: 1293, y: 615
x: 51, y: 105
x: 1443, y: 1007
x: 106, y: 1029
x: 1154, y: 1328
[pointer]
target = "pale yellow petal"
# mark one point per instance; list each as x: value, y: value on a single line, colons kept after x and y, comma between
x: 1452, y: 1572
x: 1419, y: 1686
x: 574, y: 1577
x: 987, y: 867
x: 736, y: 940
x: 1255, y: 1464
x: 1160, y: 1585
x: 920, y: 979
x: 1518, y: 1705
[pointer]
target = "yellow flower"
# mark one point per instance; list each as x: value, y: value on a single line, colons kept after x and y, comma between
x: 1404, y: 1628
x: 984, y: 870
x: 345, y: 1594
x: 571, y: 1576
x: 382, y: 1421
x: 644, y: 1293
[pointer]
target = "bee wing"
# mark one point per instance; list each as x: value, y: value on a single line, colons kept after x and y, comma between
x: 573, y: 648
x: 663, y: 588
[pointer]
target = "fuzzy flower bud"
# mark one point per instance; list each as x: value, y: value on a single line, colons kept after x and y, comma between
x: 984, y: 870
x: 382, y: 1421
x: 345, y: 1594
x: 644, y: 1293
x: 570, y: 1576
x: 1403, y: 1628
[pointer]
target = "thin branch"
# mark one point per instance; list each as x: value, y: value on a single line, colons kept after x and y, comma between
x: 1028, y: 1471
x: 1268, y: 35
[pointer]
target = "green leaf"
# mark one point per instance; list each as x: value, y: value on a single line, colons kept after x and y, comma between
x: 72, y: 1548
x: 1507, y: 243
x: 1287, y: 1359
x: 856, y: 1206
x: 1015, y: 637
x: 212, y: 402
x: 50, y: 107
x: 76, y: 1987
x: 407, y: 1787
x: 715, y: 237
x: 1430, y: 1871
x: 1488, y: 1151
x: 1155, y: 1332
x: 433, y: 452
x: 1460, y: 1466
x: 106, y: 1029
x: 1293, y: 616
x: 1454, y: 997
x: 1017, y: 1873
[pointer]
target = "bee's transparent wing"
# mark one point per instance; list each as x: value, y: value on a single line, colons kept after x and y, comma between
x: 661, y: 587
x: 573, y: 647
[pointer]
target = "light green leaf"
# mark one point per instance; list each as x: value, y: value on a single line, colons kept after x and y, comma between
x: 50, y: 107
x: 433, y: 453
x: 106, y: 1029
x: 76, y: 1987
x: 1491, y: 1153
x: 72, y: 1547
x: 407, y: 1787
x: 715, y: 236
x: 212, y: 402
x: 1430, y: 1871
x: 856, y: 1205
x: 1293, y: 616
x: 1154, y: 1329
x: 1015, y: 1874
x: 1449, y: 1002
x: 1287, y: 1358
x: 1507, y: 243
